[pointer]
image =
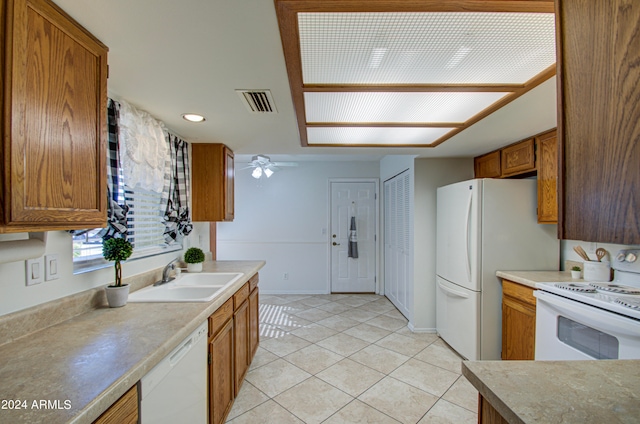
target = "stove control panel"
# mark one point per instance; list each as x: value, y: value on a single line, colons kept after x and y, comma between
x: 626, y: 260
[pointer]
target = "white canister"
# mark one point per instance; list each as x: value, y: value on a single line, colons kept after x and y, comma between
x: 597, y: 271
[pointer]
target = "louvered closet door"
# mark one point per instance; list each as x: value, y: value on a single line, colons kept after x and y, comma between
x: 397, y: 226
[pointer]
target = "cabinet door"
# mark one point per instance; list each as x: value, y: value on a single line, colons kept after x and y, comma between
x: 123, y: 411
x: 212, y: 178
x: 518, y: 321
x: 241, y: 337
x: 599, y: 106
x: 487, y: 166
x: 55, y: 114
x: 254, y: 323
x: 548, y: 178
x: 221, y: 383
x: 518, y: 158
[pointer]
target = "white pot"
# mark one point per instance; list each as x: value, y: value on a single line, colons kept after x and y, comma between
x: 575, y: 274
x: 117, y: 296
x: 194, y: 267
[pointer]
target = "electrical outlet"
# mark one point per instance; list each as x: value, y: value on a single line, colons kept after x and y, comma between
x: 34, y: 271
x: 285, y: 276
x: 51, y: 267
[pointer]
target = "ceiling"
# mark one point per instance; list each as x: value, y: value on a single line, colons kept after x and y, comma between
x: 173, y: 57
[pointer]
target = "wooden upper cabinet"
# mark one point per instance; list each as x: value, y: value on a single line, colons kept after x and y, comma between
x: 212, y: 194
x: 547, y: 148
x: 518, y: 158
x: 487, y: 166
x: 599, y: 111
x: 54, y: 102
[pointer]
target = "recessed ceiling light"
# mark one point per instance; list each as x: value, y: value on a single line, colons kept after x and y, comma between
x: 193, y: 117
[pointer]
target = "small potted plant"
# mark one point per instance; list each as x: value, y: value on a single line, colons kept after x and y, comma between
x: 194, y: 257
x: 117, y: 249
x: 575, y: 272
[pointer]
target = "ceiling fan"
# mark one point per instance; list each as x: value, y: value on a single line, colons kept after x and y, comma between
x: 262, y: 165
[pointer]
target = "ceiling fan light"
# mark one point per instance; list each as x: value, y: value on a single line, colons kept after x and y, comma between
x: 257, y: 173
x: 268, y: 172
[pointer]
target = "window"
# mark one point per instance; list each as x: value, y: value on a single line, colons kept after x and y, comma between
x: 145, y: 231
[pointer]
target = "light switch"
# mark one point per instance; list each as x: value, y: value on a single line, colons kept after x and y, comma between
x: 34, y: 271
x: 51, y: 267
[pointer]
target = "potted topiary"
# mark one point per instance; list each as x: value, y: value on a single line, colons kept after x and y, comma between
x: 575, y: 272
x: 117, y: 249
x: 194, y: 258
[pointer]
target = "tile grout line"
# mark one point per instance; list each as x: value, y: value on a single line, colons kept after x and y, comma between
x: 288, y: 330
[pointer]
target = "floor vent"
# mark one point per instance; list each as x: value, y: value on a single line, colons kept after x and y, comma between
x: 258, y: 101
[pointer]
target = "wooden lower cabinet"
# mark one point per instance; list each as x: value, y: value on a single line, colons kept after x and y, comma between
x: 233, y: 339
x: 221, y: 379
x: 487, y: 414
x: 241, y: 338
x: 254, y: 323
x: 123, y: 411
x: 518, y: 321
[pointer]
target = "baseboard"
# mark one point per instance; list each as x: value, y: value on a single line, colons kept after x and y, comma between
x: 419, y: 329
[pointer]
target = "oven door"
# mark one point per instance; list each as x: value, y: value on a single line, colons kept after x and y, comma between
x: 568, y: 329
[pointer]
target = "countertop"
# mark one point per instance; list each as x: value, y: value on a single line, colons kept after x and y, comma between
x: 605, y: 391
x: 83, y: 365
x: 530, y: 278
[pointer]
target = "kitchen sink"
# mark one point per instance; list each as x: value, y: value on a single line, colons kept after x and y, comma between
x: 173, y: 293
x: 206, y: 279
x: 200, y: 287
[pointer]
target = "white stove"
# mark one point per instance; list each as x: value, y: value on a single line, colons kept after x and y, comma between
x: 591, y: 320
x: 608, y: 296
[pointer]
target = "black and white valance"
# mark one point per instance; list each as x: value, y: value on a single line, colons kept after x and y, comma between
x: 177, y: 216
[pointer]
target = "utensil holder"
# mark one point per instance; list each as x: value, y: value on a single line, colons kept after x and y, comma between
x: 596, y: 271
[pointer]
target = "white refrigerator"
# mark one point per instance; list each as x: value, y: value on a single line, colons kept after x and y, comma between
x: 483, y: 226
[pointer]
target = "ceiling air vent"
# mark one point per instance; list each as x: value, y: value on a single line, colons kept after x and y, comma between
x: 258, y: 101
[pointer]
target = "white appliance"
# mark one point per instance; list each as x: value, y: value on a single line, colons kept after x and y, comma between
x: 485, y: 225
x: 175, y: 390
x: 591, y: 320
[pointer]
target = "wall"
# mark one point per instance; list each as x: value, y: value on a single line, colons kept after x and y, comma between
x: 429, y: 175
x: 284, y: 220
x: 567, y: 252
x: 15, y: 295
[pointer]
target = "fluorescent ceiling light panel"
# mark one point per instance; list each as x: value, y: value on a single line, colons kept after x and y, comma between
x: 425, y: 47
x: 374, y: 136
x: 397, y: 107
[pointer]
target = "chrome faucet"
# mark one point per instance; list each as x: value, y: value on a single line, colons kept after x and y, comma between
x: 165, y: 273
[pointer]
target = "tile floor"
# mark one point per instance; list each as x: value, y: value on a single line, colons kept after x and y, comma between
x: 349, y: 359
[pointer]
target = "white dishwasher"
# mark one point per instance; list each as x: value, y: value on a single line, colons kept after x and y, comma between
x: 175, y: 390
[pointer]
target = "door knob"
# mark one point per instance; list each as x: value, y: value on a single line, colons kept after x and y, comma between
x: 336, y: 244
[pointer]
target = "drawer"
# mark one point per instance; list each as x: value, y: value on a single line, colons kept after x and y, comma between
x: 240, y: 296
x: 253, y: 282
x: 518, y: 291
x: 220, y: 317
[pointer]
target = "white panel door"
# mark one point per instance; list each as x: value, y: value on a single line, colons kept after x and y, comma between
x: 349, y: 274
